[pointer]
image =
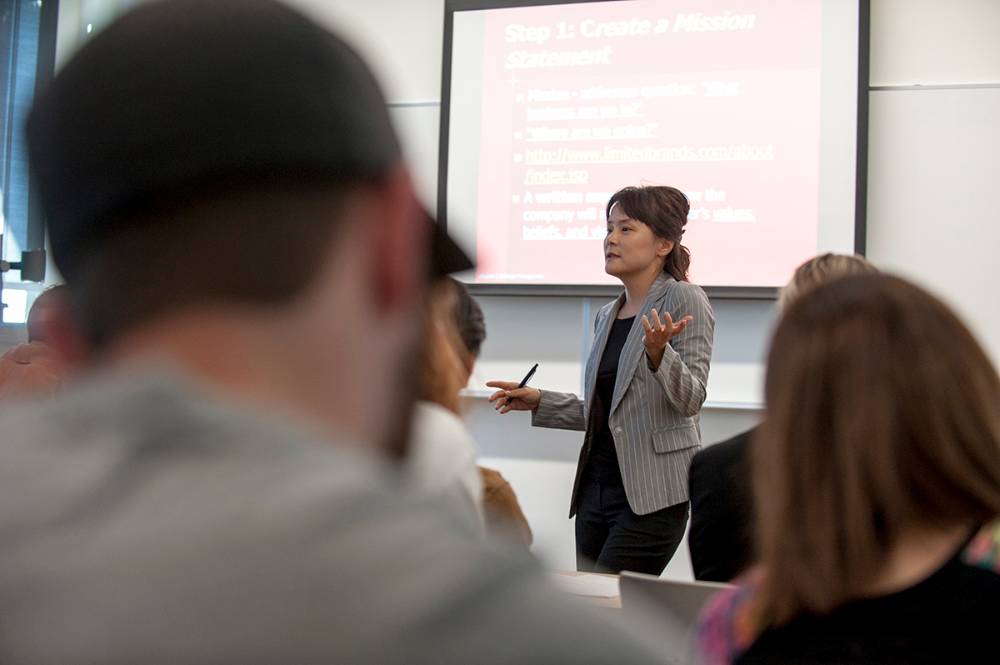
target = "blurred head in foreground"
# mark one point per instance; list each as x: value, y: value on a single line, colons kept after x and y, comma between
x: 244, y: 212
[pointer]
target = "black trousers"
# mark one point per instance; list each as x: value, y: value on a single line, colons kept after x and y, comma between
x: 611, y: 538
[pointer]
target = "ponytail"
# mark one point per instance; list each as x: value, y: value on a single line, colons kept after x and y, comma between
x: 677, y: 263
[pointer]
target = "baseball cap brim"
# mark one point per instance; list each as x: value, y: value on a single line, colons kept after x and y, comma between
x: 446, y: 256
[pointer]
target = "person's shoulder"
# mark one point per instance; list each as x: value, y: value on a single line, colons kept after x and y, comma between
x: 729, y: 624
x: 439, y: 435
x: 440, y: 596
x: 30, y: 370
x: 685, y: 291
x: 607, y: 309
x: 687, y: 298
x: 983, y: 551
x: 493, y: 481
x: 439, y: 419
x: 25, y: 419
x: 732, y: 450
x: 150, y: 425
x: 442, y: 457
x: 35, y: 426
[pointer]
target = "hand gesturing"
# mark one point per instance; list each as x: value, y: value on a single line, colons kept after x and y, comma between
x: 659, y: 333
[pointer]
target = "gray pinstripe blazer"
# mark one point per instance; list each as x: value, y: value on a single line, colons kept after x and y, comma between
x: 654, y: 413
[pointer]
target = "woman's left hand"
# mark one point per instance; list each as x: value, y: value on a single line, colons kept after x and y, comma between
x: 659, y: 333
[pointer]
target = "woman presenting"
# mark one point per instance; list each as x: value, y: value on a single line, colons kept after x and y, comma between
x: 646, y: 377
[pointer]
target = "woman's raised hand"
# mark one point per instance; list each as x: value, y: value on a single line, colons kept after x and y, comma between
x: 511, y: 398
x: 659, y: 333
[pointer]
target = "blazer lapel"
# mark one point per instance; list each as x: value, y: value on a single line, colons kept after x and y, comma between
x: 633, y: 351
x: 597, y: 350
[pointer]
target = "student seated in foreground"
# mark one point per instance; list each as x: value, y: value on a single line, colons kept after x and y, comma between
x: 217, y: 488
x: 444, y: 454
x: 876, y: 483
x: 501, y: 509
x: 719, y: 478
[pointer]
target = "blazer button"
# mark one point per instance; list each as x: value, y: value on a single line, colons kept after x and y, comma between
x: 618, y: 430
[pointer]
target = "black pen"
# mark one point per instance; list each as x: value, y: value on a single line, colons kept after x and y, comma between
x: 527, y: 377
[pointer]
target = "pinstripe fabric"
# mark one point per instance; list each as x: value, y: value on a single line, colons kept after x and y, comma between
x: 654, y: 413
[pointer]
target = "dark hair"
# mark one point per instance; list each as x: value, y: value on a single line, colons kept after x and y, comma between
x: 468, y: 318
x: 883, y: 414
x: 248, y: 243
x: 665, y: 211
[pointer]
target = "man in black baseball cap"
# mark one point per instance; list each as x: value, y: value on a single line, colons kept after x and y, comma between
x: 245, y: 255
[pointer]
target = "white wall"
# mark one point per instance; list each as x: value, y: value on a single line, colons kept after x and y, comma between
x: 933, y: 213
x: 931, y: 217
x: 934, y: 137
x: 928, y: 42
x: 402, y: 39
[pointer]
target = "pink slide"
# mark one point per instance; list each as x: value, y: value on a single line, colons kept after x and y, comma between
x: 719, y: 99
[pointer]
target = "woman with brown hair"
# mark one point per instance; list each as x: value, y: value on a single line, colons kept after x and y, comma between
x: 442, y: 459
x: 501, y: 510
x: 646, y: 382
x: 876, y: 485
x: 444, y: 455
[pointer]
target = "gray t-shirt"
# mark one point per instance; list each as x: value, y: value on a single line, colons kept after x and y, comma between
x: 145, y: 519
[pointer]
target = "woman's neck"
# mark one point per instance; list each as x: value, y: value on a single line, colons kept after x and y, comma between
x: 917, y: 554
x: 637, y: 288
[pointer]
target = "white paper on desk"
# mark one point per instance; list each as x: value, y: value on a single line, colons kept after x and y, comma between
x: 585, y: 584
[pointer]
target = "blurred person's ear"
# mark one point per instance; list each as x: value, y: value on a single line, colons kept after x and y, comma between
x: 53, y: 324
x: 45, y: 305
x: 62, y: 333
